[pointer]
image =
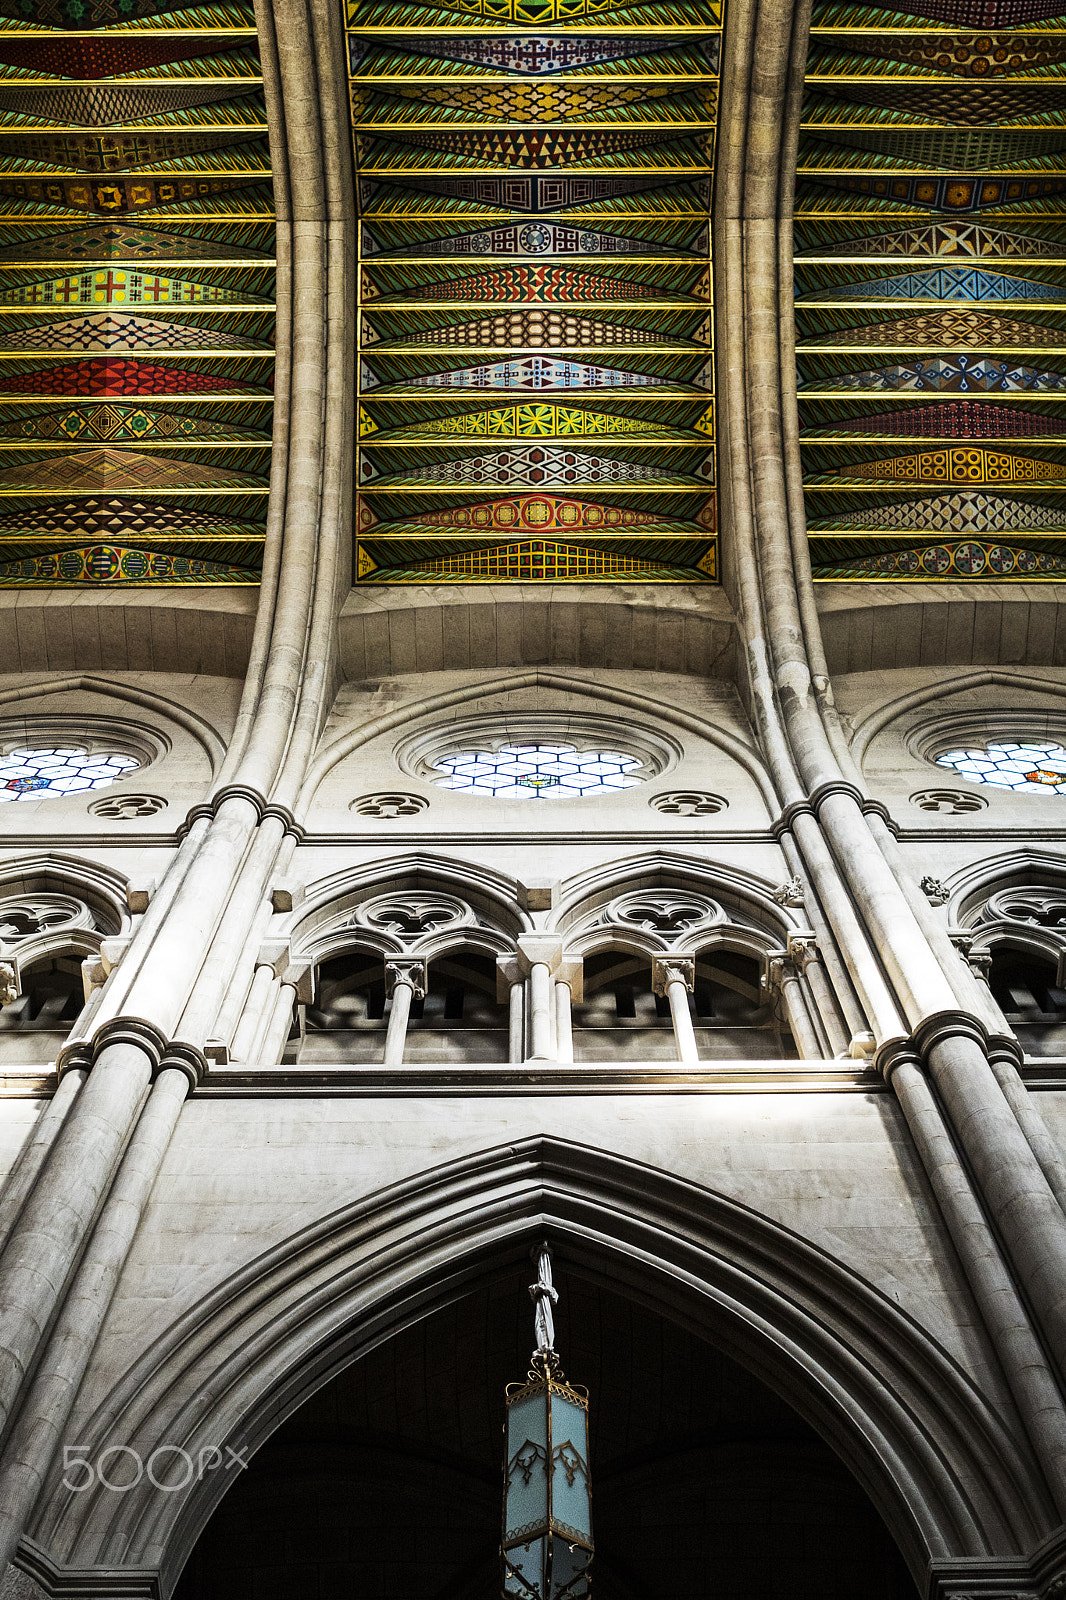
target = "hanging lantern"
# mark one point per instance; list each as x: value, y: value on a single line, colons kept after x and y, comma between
x: 547, y: 1502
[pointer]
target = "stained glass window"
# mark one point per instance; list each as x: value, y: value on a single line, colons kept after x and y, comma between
x: 1035, y: 767
x: 33, y: 773
x: 538, y: 771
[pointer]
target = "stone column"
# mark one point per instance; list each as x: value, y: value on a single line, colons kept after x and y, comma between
x: 250, y: 1025
x: 516, y: 1022
x: 1025, y: 1364
x: 34, y: 1153
x: 510, y: 990
x: 49, y: 1233
x: 539, y: 955
x: 825, y: 1014
x: 568, y: 988
x: 783, y: 976
x: 1021, y: 1204
x: 280, y: 1025
x: 38, y: 1433
x: 1005, y: 1056
x: 674, y: 976
x: 405, y: 980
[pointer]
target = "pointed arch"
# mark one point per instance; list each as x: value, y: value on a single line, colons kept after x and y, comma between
x: 493, y: 892
x: 53, y: 872
x: 978, y: 880
x: 88, y: 683
x: 938, y: 689
x: 606, y: 694
x: 947, y: 1473
x: 740, y: 890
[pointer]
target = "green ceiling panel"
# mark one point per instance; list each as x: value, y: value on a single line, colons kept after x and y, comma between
x: 930, y: 246
x: 536, y: 325
x: 136, y: 296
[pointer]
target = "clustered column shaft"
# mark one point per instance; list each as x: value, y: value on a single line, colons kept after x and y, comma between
x: 931, y: 1039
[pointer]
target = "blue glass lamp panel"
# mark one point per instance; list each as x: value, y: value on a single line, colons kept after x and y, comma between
x: 571, y: 1509
x: 527, y: 1505
x: 526, y: 1570
x: 570, y: 1577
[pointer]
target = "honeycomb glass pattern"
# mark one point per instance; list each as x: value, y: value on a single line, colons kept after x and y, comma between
x: 538, y: 772
x: 1034, y: 767
x: 31, y: 773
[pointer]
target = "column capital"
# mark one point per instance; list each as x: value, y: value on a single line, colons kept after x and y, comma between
x: 666, y: 970
x: 539, y: 950
x: 949, y: 1024
x: 410, y: 970
x: 979, y: 963
x: 781, y: 969
x: 898, y: 1051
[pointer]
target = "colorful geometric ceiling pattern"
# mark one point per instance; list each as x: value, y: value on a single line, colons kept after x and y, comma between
x: 136, y: 295
x: 931, y: 291
x: 535, y: 320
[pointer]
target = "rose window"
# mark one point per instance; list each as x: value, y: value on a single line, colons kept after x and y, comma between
x: 1034, y: 767
x: 33, y: 773
x: 538, y: 771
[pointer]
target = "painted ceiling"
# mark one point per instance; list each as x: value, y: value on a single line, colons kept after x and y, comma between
x: 536, y: 339
x: 931, y: 291
x: 136, y: 295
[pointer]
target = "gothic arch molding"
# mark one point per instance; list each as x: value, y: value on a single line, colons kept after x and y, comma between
x: 54, y: 873
x: 494, y: 892
x: 144, y: 699
x: 737, y: 889
x: 606, y: 694
x: 990, y: 875
x: 937, y: 690
x: 948, y: 1475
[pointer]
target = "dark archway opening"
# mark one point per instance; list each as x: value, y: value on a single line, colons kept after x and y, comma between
x: 1027, y: 989
x: 34, y: 1027
x: 458, y: 1019
x: 620, y: 1017
x: 385, y: 1485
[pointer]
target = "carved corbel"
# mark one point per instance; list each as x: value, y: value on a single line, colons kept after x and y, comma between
x: 935, y: 892
x: 802, y: 949
x: 139, y: 892
x: 779, y: 971
x: 275, y: 954
x: 539, y: 894
x: 508, y: 973
x: 93, y: 975
x: 979, y: 963
x: 96, y: 969
x: 286, y: 895
x: 789, y: 893
x: 112, y: 952
x: 10, y: 984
